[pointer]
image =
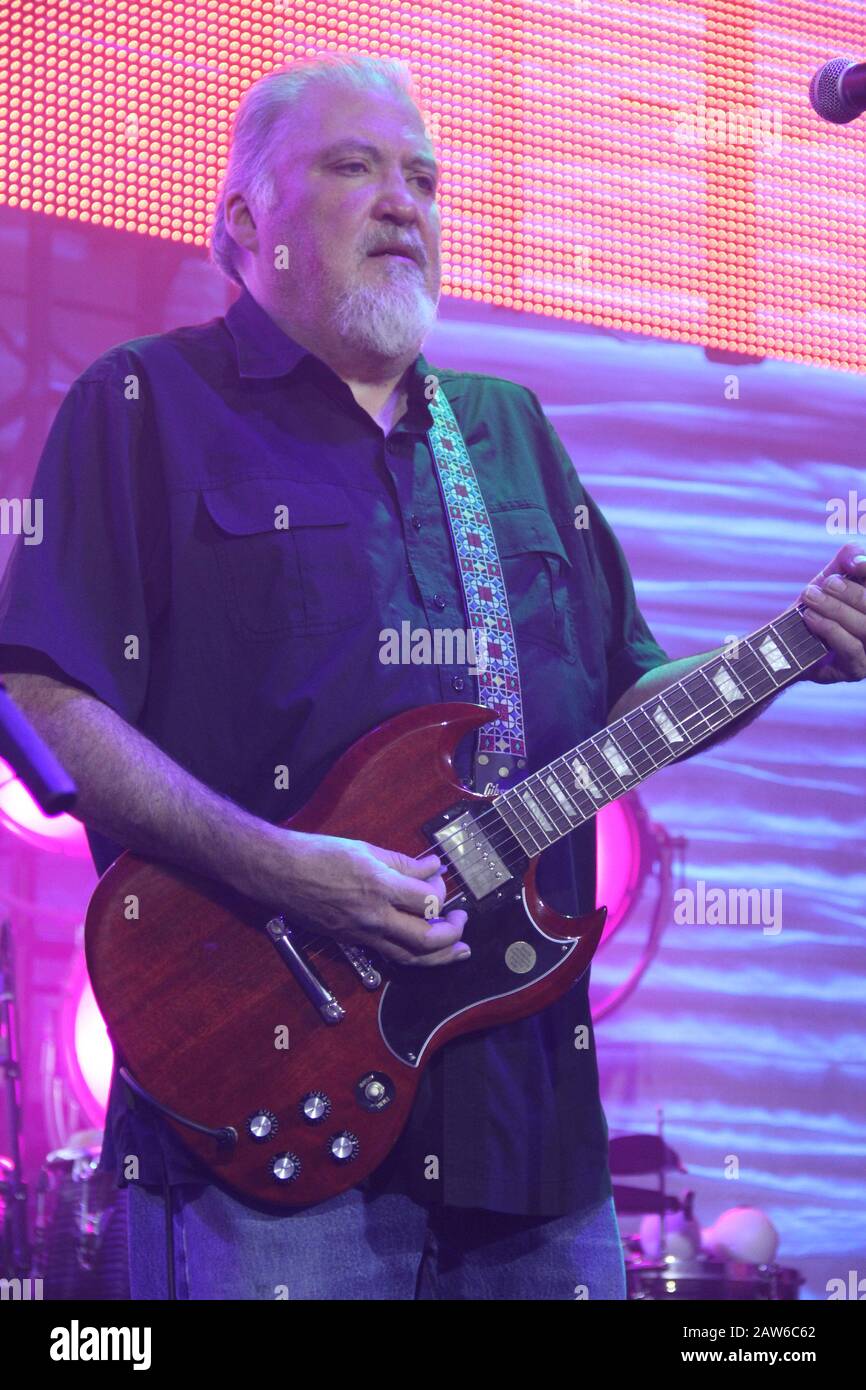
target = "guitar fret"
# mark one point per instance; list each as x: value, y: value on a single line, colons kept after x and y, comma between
x: 511, y: 814
x: 775, y: 653
x: 606, y: 765
x: 716, y: 710
x: 668, y: 725
x: 614, y: 751
x: 758, y: 671
x: 634, y: 748
x: 581, y: 798
x: 573, y: 788
x: 562, y: 798
x: 550, y: 806
x: 527, y: 795
x: 686, y: 695
x: 805, y: 647
x: 723, y: 679
x: 601, y: 768
x: 584, y: 779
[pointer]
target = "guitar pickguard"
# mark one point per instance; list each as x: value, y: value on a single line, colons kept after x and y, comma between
x: 509, y: 953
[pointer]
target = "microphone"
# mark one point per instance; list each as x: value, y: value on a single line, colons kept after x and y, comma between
x: 838, y: 90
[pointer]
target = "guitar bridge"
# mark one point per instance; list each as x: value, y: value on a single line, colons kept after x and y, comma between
x: 364, y: 969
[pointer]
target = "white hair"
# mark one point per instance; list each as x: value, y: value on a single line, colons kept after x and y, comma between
x: 265, y: 114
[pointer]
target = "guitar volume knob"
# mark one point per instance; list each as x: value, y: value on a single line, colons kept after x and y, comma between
x: 315, y: 1107
x: 285, y: 1167
x: 262, y: 1125
x: 344, y: 1147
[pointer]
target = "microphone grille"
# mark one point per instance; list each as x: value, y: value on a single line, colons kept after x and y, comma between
x: 825, y: 92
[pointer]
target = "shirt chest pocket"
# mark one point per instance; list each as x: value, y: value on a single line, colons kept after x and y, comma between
x: 289, y: 557
x: 537, y: 572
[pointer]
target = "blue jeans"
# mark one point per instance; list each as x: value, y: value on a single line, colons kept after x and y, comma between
x: 359, y: 1247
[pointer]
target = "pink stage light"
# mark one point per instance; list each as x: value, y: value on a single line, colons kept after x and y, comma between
x: 20, y: 815
x: 620, y: 862
x: 86, y: 1046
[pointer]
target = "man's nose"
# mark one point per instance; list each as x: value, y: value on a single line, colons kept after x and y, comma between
x: 394, y: 199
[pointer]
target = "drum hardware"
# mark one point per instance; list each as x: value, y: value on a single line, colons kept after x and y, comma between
x: 631, y: 1201
x: 80, y: 1240
x: 15, y: 1252
x: 672, y: 1258
x: 636, y: 1155
x: 709, y: 1279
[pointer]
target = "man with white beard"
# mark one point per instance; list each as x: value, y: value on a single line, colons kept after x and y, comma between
x: 234, y: 513
x: 358, y: 283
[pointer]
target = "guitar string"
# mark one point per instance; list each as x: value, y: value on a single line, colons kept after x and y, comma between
x: 451, y: 871
x: 610, y: 778
x: 611, y: 786
x: 696, y: 715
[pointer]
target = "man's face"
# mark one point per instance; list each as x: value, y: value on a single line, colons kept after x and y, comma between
x: 355, y: 181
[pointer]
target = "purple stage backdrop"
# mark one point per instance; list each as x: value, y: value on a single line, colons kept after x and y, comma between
x: 717, y: 478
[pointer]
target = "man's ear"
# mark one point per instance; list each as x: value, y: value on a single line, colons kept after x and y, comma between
x: 240, y: 222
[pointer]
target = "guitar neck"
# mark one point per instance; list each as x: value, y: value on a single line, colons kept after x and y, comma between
x: 552, y: 802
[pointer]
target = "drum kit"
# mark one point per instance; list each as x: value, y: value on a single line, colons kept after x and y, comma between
x: 77, y: 1245
x: 671, y: 1258
x: 78, y: 1248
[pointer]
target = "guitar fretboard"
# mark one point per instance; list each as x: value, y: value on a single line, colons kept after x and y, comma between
x: 572, y: 789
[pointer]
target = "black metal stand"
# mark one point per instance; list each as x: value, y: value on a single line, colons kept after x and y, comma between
x: 15, y: 1248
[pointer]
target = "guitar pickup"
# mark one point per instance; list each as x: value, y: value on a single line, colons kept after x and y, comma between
x: 471, y: 853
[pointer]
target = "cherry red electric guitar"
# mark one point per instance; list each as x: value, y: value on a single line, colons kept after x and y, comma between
x: 289, y: 1063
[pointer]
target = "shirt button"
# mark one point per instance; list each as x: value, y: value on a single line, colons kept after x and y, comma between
x: 416, y: 521
x: 457, y: 682
x: 438, y: 602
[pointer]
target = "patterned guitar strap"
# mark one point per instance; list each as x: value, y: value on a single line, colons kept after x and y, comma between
x: 500, y: 753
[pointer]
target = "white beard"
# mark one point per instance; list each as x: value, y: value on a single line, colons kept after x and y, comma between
x: 391, y: 319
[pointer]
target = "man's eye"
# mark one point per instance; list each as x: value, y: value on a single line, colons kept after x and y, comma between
x: 425, y: 179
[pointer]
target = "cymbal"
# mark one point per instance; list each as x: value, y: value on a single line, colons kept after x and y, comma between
x: 642, y: 1153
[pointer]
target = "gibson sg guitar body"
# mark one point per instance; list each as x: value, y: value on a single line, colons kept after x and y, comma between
x: 287, y: 1063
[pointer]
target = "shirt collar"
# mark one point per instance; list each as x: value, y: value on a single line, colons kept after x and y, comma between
x: 265, y: 350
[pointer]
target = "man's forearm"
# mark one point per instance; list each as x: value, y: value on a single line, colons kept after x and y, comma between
x: 132, y: 792
x: 654, y: 682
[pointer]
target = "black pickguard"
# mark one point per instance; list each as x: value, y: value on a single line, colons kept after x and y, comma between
x: 418, y: 999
